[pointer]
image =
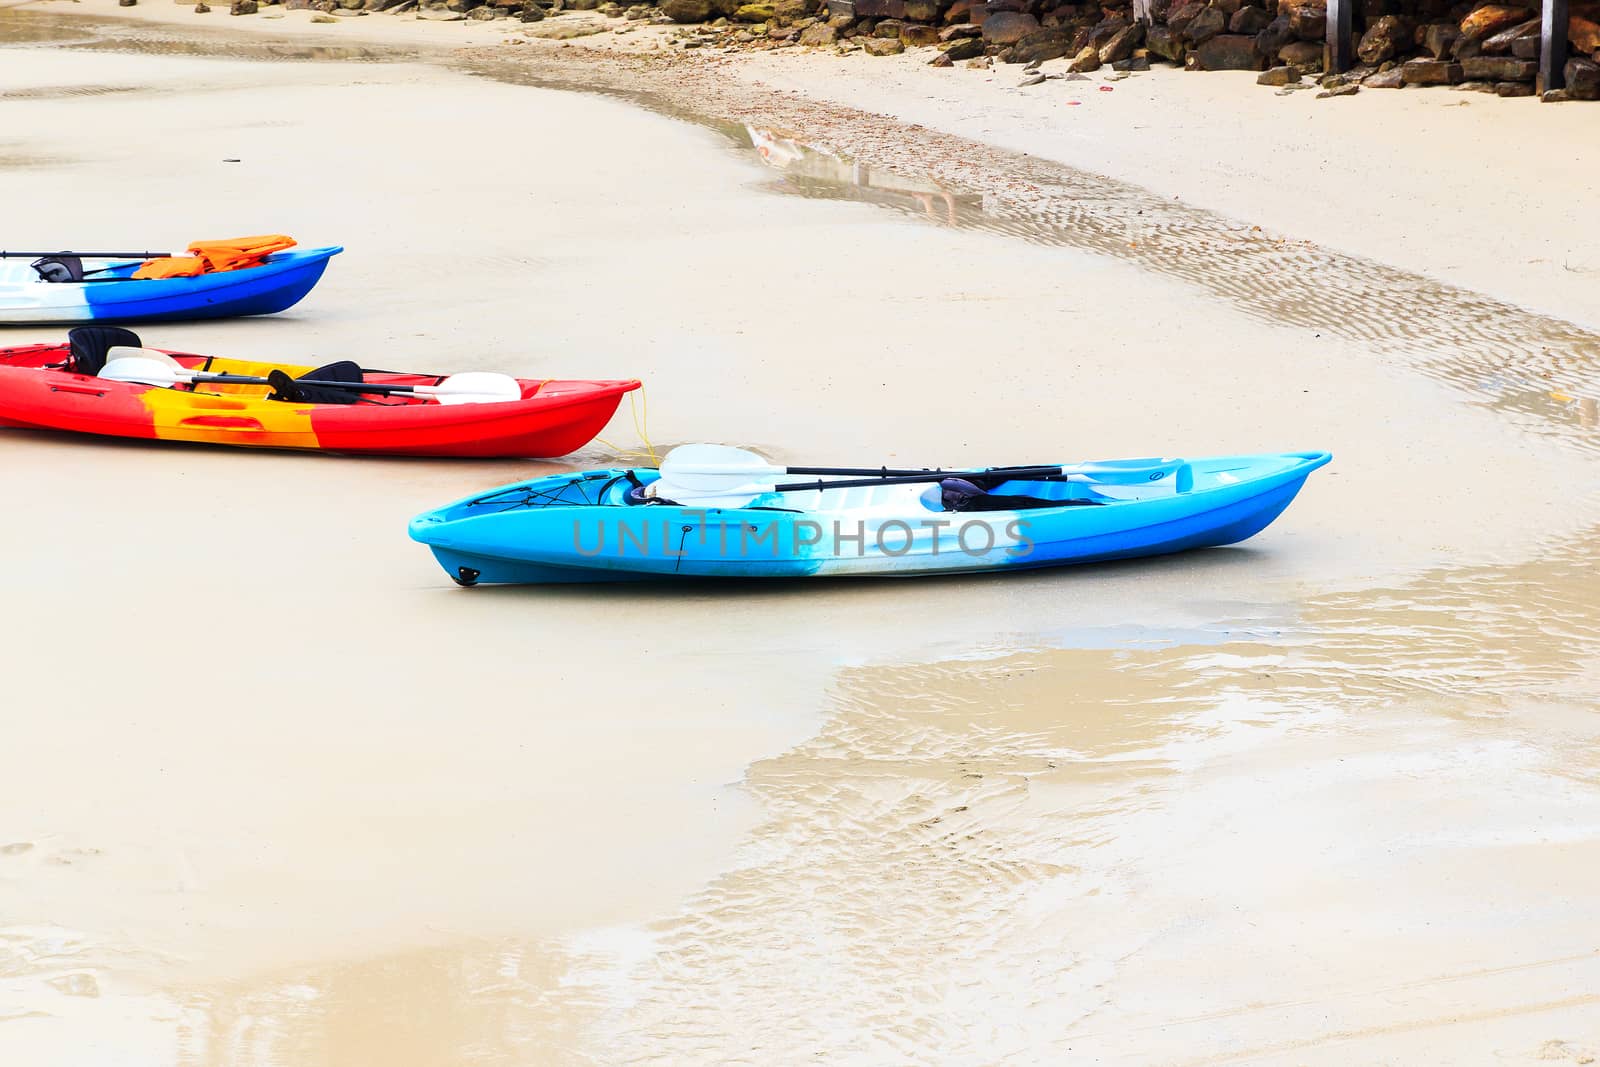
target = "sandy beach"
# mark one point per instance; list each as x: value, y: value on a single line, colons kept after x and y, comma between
x: 279, y: 794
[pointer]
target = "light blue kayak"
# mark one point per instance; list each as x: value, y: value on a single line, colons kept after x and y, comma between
x: 110, y: 295
x: 614, y: 525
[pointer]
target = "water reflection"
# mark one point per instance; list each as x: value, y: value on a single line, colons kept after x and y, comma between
x: 802, y: 163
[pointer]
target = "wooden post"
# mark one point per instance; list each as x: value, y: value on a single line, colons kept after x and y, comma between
x: 1552, y: 46
x: 1339, y: 53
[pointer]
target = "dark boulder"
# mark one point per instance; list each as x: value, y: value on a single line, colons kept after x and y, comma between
x: 964, y: 48
x: 1275, y: 36
x: 1164, y: 44
x: 1583, y: 79
x: 1228, y: 51
x: 1008, y: 27
x: 1042, y: 45
x: 1204, y: 26
x: 1498, y: 69
x: 1304, y: 56
x: 1385, y: 39
x: 1121, y: 44
x: 1430, y: 72
x: 1309, y: 21
x: 1500, y: 43
x: 1250, y: 20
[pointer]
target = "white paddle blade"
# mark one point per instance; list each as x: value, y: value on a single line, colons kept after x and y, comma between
x: 474, y: 387
x: 141, y: 371
x: 714, y: 470
x: 149, y: 355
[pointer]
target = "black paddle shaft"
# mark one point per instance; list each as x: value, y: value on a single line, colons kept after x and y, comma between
x: 242, y: 379
x: 913, y: 479
x: 87, y: 255
x: 892, y: 472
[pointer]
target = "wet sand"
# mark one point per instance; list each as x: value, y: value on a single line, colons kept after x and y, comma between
x: 285, y: 796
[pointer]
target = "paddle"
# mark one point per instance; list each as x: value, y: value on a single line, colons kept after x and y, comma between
x: 87, y: 255
x: 720, y: 471
x: 145, y: 366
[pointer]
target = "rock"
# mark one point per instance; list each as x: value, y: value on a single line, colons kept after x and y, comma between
x: 1084, y: 61
x: 201, y: 9
x: 436, y: 16
x: 1040, y: 46
x: 1430, y: 72
x: 243, y: 7
x: 126, y: 3
x: 1555, y: 96
x: 1514, y: 89
x: 1228, y: 51
x: 1103, y: 31
x: 1163, y: 43
x: 480, y: 14
x: 1250, y: 20
x: 1032, y: 79
x: 1473, y: 87
x: 954, y: 33
x: 791, y: 11
x: 330, y: 18
x: 1204, y: 26
x: 980, y: 63
x: 1342, y: 89
x: 942, y: 60
x: 1463, y: 48
x: 754, y: 12
x: 1277, y: 75
x: 1438, y: 38
x: 1304, y: 56
x: 922, y: 10
x: 887, y: 28
x: 531, y: 13
x: 916, y: 35
x: 882, y: 46
x: 1309, y: 22
x: 1500, y: 43
x: 1490, y: 19
x: 1525, y: 48
x: 1583, y: 34
x: 1132, y: 64
x: 964, y: 48
x: 1277, y: 34
x: 1385, y: 39
x: 1583, y: 79
x: 1179, y: 17
x: 1121, y: 44
x: 1384, y: 79
x: 687, y: 10
x: 1498, y: 69
x: 1008, y: 27
x: 819, y: 35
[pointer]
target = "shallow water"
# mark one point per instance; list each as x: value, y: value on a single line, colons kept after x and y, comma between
x: 1274, y: 803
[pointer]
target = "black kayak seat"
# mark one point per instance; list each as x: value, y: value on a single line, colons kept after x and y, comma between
x: 296, y: 391
x: 961, y: 494
x: 62, y: 267
x: 88, y: 346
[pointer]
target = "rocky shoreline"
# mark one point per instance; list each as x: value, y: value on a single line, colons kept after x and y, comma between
x: 1483, y: 46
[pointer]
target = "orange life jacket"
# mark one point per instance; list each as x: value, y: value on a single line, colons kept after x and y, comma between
x: 209, y: 257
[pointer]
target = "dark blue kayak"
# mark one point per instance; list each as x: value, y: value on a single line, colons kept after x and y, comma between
x: 611, y: 525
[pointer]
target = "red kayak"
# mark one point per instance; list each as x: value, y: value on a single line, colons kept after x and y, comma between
x: 86, y: 386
